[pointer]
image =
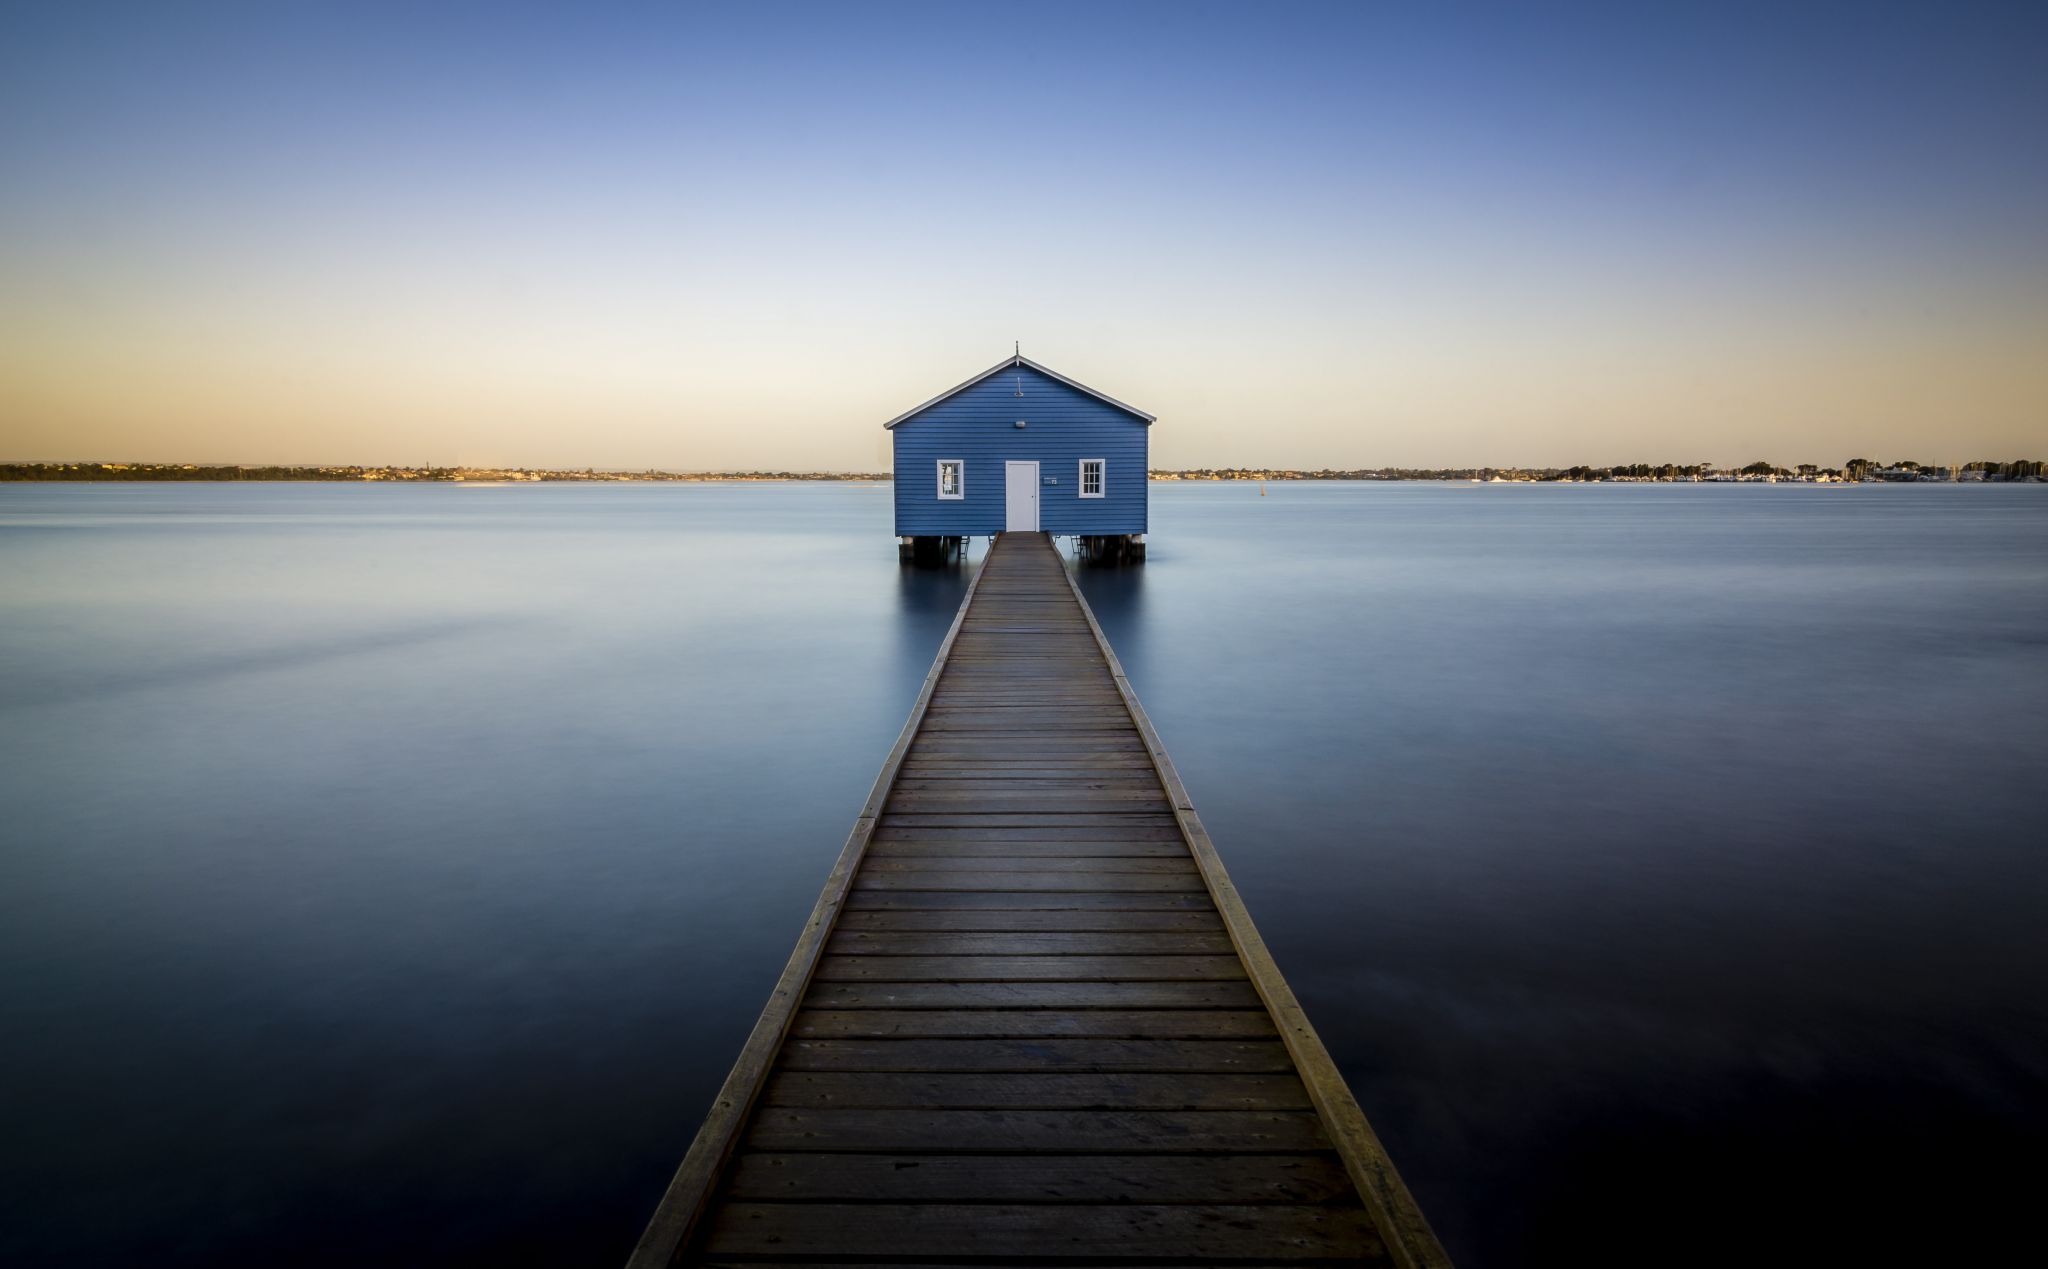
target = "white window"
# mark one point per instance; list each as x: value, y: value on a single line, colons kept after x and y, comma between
x: 1091, y: 477
x: 952, y: 478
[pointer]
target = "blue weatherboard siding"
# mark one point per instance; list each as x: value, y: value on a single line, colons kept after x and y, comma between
x: 978, y: 424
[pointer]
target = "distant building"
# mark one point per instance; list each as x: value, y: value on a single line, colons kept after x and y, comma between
x: 1021, y: 447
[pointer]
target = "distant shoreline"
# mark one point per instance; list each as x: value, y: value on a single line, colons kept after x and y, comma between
x: 220, y: 472
x: 1856, y: 471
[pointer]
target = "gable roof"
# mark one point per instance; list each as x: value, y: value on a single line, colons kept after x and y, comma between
x: 1012, y: 363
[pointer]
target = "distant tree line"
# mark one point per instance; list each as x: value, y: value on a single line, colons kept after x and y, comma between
x: 169, y: 471
x: 2018, y: 470
x: 201, y: 471
x: 1639, y: 471
x: 1854, y: 469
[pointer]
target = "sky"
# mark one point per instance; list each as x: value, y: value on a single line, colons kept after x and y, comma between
x: 708, y: 237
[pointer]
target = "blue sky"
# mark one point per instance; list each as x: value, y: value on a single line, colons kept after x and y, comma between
x: 713, y: 237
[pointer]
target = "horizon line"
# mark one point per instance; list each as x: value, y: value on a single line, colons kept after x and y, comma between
x: 8, y: 468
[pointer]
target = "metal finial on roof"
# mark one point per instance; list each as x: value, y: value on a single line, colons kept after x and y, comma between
x: 1017, y: 347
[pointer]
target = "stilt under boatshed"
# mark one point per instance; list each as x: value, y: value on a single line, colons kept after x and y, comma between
x: 1021, y: 448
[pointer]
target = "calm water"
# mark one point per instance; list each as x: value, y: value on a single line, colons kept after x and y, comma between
x: 390, y: 874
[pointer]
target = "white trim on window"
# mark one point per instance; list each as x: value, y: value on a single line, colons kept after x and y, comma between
x: 959, y: 466
x: 1101, y: 477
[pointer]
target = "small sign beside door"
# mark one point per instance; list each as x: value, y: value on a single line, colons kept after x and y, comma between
x: 1052, y: 480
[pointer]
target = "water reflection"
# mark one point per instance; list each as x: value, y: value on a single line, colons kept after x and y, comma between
x: 928, y: 594
x: 392, y: 874
x: 1116, y: 593
x: 1634, y: 845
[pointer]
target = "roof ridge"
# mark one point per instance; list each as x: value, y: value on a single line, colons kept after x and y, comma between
x: 1019, y: 359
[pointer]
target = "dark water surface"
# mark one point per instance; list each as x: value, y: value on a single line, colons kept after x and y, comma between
x: 390, y: 874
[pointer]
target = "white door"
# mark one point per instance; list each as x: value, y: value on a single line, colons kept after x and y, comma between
x: 1020, y: 496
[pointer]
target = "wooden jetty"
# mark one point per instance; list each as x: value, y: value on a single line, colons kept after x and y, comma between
x: 1029, y: 1020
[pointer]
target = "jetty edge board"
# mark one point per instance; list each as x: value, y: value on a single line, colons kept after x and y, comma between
x: 1404, y: 1229
x: 682, y: 1204
x: 1029, y: 1019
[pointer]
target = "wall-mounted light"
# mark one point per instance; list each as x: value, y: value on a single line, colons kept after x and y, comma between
x: 1020, y: 422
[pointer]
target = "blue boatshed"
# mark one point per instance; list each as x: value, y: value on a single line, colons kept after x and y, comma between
x: 1021, y: 447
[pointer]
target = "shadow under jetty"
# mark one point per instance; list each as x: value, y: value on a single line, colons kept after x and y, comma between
x: 931, y: 552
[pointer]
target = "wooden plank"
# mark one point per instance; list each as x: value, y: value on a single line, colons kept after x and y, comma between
x: 1010, y: 719
x: 1055, y: 802
x: 984, y: 805
x: 1037, y: 819
x: 966, y: 1229
x: 1035, y: 1055
x: 889, y: 831
x: 1007, y: 684
x: 1036, y: 1090
x: 966, y: 783
x: 1109, y: 722
x: 1068, y: 643
x: 1073, y: 996
x: 991, y: 744
x: 1063, y: 711
x: 941, y: 805
x: 1127, y: 1024
x: 1022, y: 721
x: 1030, y: 919
x: 1060, y: 1131
x: 1028, y: 943
x: 1271, y: 1178
x: 968, y: 969
x: 1166, y: 866
x: 1008, y: 690
x: 879, y: 850
x: 966, y: 751
x: 1019, y: 900
x: 965, y: 670
x: 1015, y: 694
x: 957, y: 700
x: 1004, y: 797
x: 988, y: 880
x: 1046, y: 699
x: 990, y: 735
x: 1051, y: 766
x: 1040, y: 766
x: 1299, y: 1233
x: 1122, y: 770
x: 894, y: 1262
x: 1080, y: 672
x: 963, y: 748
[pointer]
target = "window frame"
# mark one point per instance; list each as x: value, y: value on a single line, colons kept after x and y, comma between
x: 961, y: 491
x: 1101, y: 478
